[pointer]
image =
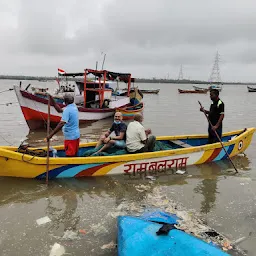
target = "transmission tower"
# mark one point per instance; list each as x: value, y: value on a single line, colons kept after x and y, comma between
x: 215, y: 75
x: 180, y: 74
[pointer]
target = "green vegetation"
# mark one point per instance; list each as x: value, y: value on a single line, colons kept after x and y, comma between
x: 138, y: 80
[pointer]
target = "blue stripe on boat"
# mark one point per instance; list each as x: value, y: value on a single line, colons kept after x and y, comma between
x: 230, y: 149
x: 55, y: 172
x: 221, y: 154
x: 71, y: 172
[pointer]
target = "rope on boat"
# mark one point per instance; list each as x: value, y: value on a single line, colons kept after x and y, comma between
x: 39, y: 111
x: 24, y: 150
x: 34, y: 153
x: 11, y: 89
x: 9, y: 103
x: 10, y: 144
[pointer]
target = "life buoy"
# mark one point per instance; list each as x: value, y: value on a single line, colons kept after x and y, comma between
x: 240, y: 145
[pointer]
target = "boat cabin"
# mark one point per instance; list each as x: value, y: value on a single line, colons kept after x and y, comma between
x: 99, y: 91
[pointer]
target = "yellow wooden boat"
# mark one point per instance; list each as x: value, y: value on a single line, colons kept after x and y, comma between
x: 173, y: 152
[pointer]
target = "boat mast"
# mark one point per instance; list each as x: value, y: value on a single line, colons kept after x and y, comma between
x: 215, y: 74
x: 103, y: 61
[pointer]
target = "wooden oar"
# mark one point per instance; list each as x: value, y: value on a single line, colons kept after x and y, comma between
x: 218, y: 137
x: 48, y: 141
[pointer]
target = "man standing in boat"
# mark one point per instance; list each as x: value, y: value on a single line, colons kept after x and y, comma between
x: 69, y: 124
x: 216, y: 116
x: 115, y: 136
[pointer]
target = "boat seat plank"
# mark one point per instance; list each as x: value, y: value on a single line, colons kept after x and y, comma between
x: 181, y: 143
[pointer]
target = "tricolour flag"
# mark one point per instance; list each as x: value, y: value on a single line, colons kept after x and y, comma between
x: 61, y: 71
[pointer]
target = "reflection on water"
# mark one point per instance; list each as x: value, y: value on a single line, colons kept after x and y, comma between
x: 93, y: 203
x: 64, y: 212
x: 210, y: 173
x: 26, y: 190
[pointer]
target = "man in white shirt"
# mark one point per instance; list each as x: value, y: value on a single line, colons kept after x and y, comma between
x: 137, y: 140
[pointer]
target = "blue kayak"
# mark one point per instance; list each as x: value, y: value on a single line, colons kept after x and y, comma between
x: 139, y: 236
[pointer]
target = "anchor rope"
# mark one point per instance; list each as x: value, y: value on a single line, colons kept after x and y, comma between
x: 10, y: 89
x: 9, y: 103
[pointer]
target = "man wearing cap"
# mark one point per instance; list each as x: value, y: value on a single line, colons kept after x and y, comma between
x: 69, y: 124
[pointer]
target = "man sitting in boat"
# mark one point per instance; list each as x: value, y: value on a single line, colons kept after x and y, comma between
x: 216, y: 116
x: 115, y: 136
x: 69, y: 124
x: 137, y: 140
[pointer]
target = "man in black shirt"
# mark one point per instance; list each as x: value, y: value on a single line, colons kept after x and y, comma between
x: 216, y: 116
x: 115, y: 136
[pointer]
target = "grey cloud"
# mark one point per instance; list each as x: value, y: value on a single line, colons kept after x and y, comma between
x: 150, y: 38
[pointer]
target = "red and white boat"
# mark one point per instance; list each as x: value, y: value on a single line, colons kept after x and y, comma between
x: 98, y: 101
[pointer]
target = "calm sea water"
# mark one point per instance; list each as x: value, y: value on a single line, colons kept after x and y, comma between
x: 225, y: 201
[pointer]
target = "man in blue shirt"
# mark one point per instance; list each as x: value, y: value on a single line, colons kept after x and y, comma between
x: 115, y: 136
x: 69, y: 124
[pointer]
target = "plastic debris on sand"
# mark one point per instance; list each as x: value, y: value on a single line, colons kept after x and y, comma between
x: 57, y: 250
x: 43, y: 220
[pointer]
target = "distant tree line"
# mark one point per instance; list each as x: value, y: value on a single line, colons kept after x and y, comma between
x: 138, y: 80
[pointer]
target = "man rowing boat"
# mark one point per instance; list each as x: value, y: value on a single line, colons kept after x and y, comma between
x: 215, y: 115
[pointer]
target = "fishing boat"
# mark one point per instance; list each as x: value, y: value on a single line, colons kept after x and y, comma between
x: 217, y: 87
x: 136, y: 96
x: 200, y: 88
x: 129, y: 111
x: 94, y: 100
x: 157, y: 233
x: 152, y: 91
x: 193, y: 91
x: 170, y: 152
x: 251, y: 89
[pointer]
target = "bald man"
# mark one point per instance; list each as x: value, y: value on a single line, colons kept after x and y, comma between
x: 115, y: 136
x: 69, y: 124
x: 137, y: 140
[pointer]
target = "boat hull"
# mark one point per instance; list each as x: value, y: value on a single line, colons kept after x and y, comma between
x: 137, y: 236
x: 150, y: 91
x: 153, y: 91
x: 35, y: 110
x: 200, y: 88
x: 129, y: 111
x: 251, y: 89
x: 193, y: 91
x: 17, y: 164
x: 219, y: 88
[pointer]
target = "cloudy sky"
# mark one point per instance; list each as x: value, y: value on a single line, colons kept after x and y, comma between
x: 148, y: 38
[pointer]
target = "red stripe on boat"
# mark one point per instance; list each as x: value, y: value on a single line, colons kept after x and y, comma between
x: 90, y: 171
x: 31, y: 114
x: 214, y: 154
